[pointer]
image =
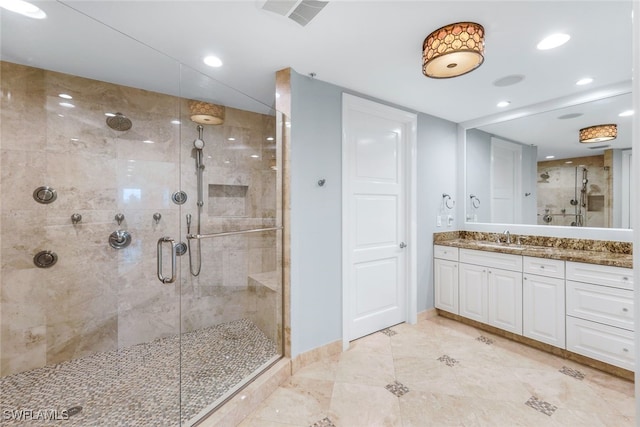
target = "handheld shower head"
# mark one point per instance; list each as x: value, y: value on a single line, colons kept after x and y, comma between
x: 188, y: 223
x: 199, y: 143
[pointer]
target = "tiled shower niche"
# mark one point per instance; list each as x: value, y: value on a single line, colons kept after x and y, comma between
x: 228, y: 200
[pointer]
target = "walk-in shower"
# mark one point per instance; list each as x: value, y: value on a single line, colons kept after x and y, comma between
x: 88, y: 333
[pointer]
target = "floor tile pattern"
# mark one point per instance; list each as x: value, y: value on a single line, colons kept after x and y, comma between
x: 541, y: 406
x: 397, y: 388
x: 140, y: 385
x: 487, y: 341
x: 490, y: 385
x: 325, y: 422
x: 388, y: 332
x: 572, y: 373
x: 447, y: 360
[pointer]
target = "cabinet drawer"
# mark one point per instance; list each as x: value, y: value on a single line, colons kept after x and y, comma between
x: 611, y: 306
x: 445, y: 252
x: 601, y: 342
x: 543, y: 266
x: 600, y: 274
x: 491, y: 259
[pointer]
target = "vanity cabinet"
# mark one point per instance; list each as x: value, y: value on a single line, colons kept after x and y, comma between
x: 491, y: 288
x: 543, y: 300
x: 445, y: 267
x: 600, y: 313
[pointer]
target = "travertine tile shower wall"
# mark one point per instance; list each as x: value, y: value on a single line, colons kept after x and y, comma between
x: 97, y: 298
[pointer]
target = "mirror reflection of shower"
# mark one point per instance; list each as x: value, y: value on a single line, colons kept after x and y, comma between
x: 579, y: 202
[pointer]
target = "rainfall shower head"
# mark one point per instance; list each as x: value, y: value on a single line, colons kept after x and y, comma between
x: 119, y: 122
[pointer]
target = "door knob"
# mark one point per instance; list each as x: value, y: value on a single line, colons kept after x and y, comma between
x: 403, y: 245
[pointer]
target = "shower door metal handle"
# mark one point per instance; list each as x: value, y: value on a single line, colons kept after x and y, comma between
x: 174, y: 252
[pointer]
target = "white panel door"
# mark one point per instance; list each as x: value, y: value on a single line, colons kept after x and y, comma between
x: 505, y: 300
x: 472, y: 281
x: 506, y: 178
x: 446, y: 285
x: 375, y: 215
x: 543, y: 309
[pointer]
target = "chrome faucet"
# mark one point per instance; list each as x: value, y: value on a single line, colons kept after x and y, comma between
x: 508, y: 239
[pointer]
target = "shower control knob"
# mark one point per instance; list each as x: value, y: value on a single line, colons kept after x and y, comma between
x: 119, y: 239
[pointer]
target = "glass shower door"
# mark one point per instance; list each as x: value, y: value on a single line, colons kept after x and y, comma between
x: 231, y: 298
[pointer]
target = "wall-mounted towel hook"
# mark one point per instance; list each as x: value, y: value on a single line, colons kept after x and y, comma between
x: 448, y: 202
x: 475, y: 202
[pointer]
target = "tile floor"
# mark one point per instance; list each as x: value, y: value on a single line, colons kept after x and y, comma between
x: 444, y: 373
x: 147, y: 385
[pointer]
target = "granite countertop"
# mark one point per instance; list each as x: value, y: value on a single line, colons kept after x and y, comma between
x: 566, y: 254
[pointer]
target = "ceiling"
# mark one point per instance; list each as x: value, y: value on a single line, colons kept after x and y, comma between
x: 372, y: 47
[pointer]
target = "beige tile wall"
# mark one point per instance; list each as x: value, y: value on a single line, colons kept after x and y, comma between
x: 97, y: 298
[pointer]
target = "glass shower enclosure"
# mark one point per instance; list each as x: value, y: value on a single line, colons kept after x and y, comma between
x: 140, y: 249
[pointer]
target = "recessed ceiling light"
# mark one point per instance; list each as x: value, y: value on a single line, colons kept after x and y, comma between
x: 23, y: 8
x: 231, y: 139
x: 270, y: 138
x: 148, y: 141
x: 503, y: 103
x: 626, y: 113
x: 553, y: 41
x: 549, y: 157
x: 66, y: 104
x: 584, y: 81
x: 175, y: 122
x: 65, y: 96
x: 213, y: 61
x: 255, y: 156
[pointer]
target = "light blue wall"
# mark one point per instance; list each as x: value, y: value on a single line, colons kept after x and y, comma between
x: 316, y: 212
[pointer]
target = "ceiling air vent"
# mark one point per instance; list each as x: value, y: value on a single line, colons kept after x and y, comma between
x: 598, y: 147
x: 300, y: 11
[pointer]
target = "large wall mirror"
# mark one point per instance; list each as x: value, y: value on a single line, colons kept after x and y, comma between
x: 533, y: 170
x: 527, y: 167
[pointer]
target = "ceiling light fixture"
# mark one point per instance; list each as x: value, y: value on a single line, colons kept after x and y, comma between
x: 206, y: 114
x: 584, y: 81
x: 213, y: 61
x: 453, y: 50
x: 598, y: 133
x: 23, y: 8
x: 553, y: 41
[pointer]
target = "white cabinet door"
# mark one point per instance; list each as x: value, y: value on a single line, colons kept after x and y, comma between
x: 505, y: 300
x: 446, y: 285
x: 543, y: 309
x: 473, y: 292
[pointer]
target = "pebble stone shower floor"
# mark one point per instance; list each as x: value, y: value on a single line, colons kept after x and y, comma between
x: 139, y: 385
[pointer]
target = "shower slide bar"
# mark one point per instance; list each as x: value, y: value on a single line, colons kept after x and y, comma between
x: 231, y: 233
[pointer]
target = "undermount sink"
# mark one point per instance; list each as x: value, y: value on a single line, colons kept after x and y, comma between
x: 501, y: 245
